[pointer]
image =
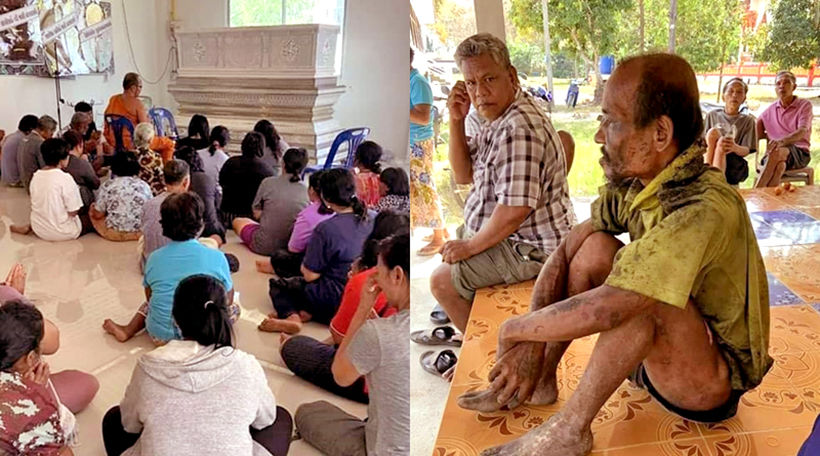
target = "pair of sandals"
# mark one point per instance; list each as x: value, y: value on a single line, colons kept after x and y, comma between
x: 442, y: 363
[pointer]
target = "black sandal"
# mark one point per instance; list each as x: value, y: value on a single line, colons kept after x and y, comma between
x: 442, y: 363
x: 439, y: 316
x: 443, y: 335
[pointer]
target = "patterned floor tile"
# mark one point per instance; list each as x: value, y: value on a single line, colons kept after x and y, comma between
x: 772, y: 419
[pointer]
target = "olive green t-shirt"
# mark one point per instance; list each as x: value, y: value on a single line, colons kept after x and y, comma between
x: 692, y: 239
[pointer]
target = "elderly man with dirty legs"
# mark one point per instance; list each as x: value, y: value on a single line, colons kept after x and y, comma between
x: 681, y: 311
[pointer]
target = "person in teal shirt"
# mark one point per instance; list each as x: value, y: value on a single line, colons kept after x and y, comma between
x: 184, y: 256
x: 425, y: 207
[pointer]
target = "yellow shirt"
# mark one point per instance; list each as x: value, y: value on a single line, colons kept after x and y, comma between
x: 692, y: 239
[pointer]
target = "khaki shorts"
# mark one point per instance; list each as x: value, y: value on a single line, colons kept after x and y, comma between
x: 507, y: 262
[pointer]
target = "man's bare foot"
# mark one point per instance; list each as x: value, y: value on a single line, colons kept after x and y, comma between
x: 304, y: 316
x: 20, y: 229
x: 553, y: 438
x: 431, y: 249
x: 546, y: 390
x: 118, y: 331
x: 264, y: 266
x: 484, y: 401
x: 280, y: 325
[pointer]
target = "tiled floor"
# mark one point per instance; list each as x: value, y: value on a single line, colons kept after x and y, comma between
x: 772, y: 420
x: 78, y: 284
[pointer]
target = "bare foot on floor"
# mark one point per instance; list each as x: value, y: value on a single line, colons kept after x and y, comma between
x: 279, y: 325
x: 118, y: 331
x: 20, y: 229
x: 553, y: 438
x: 264, y: 266
x: 546, y: 391
x: 304, y: 316
x: 483, y: 401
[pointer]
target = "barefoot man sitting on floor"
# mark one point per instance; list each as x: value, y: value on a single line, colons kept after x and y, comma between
x: 682, y: 310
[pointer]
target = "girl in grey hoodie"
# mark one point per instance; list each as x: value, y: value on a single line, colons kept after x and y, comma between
x: 198, y: 395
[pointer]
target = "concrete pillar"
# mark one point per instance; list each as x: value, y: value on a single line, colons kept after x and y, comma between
x: 489, y: 17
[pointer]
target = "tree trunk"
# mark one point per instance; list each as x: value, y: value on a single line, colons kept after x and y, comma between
x: 673, y: 19
x: 720, y: 77
x: 642, y: 26
x: 599, y: 82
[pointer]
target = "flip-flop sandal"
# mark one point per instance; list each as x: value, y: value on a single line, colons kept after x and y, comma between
x: 443, y: 335
x: 438, y: 363
x: 439, y: 316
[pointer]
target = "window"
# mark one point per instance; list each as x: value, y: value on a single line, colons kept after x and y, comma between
x: 245, y: 13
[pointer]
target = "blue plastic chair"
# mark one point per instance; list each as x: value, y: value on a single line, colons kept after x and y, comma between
x: 162, y: 117
x: 352, y: 137
x: 116, y: 124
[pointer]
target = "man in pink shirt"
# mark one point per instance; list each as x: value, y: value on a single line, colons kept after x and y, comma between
x: 786, y: 124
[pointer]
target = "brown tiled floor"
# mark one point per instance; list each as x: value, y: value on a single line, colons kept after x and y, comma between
x: 772, y: 420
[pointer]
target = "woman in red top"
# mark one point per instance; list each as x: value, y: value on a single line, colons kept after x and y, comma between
x: 368, y: 168
x: 312, y: 359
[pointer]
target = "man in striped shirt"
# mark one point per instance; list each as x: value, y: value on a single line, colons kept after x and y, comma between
x: 519, y: 208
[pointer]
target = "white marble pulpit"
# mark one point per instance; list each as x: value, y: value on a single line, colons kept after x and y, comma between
x: 286, y: 74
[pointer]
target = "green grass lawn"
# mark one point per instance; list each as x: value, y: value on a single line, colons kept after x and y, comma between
x: 586, y: 175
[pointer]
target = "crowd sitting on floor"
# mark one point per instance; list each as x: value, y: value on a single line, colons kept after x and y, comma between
x: 337, y: 243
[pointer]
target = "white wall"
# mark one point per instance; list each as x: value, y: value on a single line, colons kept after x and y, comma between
x: 376, y: 71
x: 28, y: 94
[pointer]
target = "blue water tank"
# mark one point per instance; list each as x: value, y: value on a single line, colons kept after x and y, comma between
x: 606, y: 64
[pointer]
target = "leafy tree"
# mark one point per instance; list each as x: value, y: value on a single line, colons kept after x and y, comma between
x: 793, y: 34
x: 453, y: 23
x: 587, y: 27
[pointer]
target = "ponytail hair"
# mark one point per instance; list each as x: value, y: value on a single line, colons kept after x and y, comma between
x: 368, y: 155
x: 339, y: 188
x: 220, y: 136
x: 201, y: 312
x: 315, y: 183
x: 295, y: 160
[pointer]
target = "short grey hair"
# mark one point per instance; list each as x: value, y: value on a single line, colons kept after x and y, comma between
x: 787, y: 74
x: 143, y: 135
x: 480, y: 44
x: 47, y: 123
x: 80, y: 118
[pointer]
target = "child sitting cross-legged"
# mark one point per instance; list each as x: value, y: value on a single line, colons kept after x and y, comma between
x: 181, y: 219
x: 287, y: 262
x: 55, y: 198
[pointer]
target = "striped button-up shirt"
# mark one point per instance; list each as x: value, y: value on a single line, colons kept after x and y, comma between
x: 518, y: 160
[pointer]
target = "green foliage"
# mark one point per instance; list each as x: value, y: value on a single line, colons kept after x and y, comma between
x: 527, y: 57
x: 708, y: 32
x: 794, y: 34
x: 453, y: 22
x: 255, y: 12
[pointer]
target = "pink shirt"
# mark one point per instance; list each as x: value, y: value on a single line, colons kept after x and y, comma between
x: 781, y: 122
x: 303, y: 226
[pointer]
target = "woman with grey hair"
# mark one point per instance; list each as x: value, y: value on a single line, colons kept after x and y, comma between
x: 150, y: 161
